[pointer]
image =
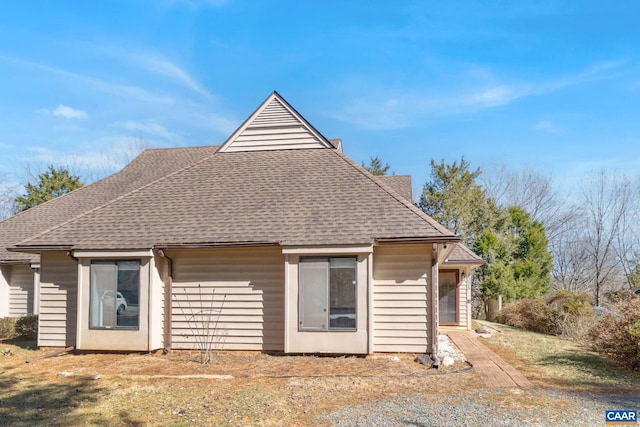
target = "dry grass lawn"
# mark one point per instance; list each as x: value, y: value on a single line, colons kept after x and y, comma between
x: 553, y: 362
x: 250, y: 388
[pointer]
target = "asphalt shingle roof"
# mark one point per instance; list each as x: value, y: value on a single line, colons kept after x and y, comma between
x: 463, y: 255
x: 400, y: 183
x: 149, y: 166
x: 290, y: 197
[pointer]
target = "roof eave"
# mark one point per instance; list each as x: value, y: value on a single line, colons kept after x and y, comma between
x: 15, y: 262
x: 215, y: 245
x: 35, y: 249
x: 408, y: 240
x: 466, y: 262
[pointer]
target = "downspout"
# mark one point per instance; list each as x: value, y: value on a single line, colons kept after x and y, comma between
x: 70, y: 255
x: 434, y: 306
x: 168, y: 302
x: 78, y: 298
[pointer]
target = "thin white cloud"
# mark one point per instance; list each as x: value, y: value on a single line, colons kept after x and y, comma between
x: 124, y: 91
x: 166, y: 68
x: 485, y: 91
x: 546, y: 126
x: 69, y: 113
x: 107, y: 155
x: 382, y: 114
x: 152, y: 128
x: 494, y: 96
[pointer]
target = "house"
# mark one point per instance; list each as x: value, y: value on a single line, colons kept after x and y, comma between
x: 275, y: 237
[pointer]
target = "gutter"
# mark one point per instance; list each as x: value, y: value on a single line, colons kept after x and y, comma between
x: 162, y: 246
x: 407, y: 240
x: 168, y: 299
x: 39, y: 248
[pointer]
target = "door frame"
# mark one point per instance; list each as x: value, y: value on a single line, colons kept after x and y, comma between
x: 457, y: 273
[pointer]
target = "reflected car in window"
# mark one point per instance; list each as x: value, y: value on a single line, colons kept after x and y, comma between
x: 120, y: 303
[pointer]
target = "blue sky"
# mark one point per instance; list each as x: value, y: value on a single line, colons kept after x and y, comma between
x: 551, y: 85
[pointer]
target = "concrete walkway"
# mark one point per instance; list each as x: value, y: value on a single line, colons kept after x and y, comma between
x: 493, y: 370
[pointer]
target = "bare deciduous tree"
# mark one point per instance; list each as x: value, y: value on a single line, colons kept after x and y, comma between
x: 605, y: 204
x: 532, y: 190
x: 628, y: 237
x: 8, y: 193
x: 595, y: 241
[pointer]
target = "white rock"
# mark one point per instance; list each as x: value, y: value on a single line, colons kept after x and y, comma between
x: 447, y: 361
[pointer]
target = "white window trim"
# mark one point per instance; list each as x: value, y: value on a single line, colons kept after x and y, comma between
x: 113, y: 254
x: 327, y: 250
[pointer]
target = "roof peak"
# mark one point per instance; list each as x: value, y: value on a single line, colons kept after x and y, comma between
x: 275, y: 125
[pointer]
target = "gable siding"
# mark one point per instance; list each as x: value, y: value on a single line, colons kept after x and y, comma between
x: 20, y: 290
x: 5, y: 271
x: 275, y: 128
x: 248, y: 298
x: 158, y: 280
x: 58, y: 300
x: 401, y: 298
x: 465, y: 299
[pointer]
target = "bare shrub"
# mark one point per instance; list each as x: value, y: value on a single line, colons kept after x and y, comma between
x: 574, y: 313
x: 204, y: 321
x: 617, y: 334
x: 532, y: 314
x: 564, y: 313
x: 7, y: 327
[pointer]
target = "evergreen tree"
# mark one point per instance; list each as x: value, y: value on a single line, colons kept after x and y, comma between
x: 454, y: 198
x: 50, y: 184
x: 375, y: 166
x: 518, y: 263
x: 518, y: 260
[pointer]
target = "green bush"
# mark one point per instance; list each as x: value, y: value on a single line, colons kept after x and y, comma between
x: 27, y: 326
x: 617, y: 334
x: 7, y: 327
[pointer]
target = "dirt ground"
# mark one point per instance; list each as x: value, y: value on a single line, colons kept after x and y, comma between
x: 239, y: 364
x: 236, y: 388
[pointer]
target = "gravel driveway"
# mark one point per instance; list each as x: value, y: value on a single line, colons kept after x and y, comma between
x: 486, y: 407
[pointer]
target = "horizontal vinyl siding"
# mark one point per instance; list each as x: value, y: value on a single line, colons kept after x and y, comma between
x: 464, y: 302
x: 248, y: 298
x: 20, y: 290
x: 401, y: 298
x: 58, y: 296
x: 275, y: 128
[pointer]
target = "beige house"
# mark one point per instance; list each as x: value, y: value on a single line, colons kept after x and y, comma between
x: 273, y: 241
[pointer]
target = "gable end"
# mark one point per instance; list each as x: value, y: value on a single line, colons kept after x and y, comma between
x: 275, y: 125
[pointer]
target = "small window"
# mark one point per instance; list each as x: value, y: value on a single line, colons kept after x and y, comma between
x: 328, y: 290
x: 115, y: 292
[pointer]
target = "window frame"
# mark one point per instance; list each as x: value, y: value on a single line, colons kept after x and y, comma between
x: 327, y: 309
x: 114, y: 262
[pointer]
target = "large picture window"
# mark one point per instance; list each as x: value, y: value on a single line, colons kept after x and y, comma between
x: 328, y: 289
x: 114, y: 294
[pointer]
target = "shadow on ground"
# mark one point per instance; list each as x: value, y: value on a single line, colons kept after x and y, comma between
x: 599, y: 371
x: 23, y: 402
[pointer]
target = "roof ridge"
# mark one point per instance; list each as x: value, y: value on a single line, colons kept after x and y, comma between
x: 112, y: 201
x: 435, y: 224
